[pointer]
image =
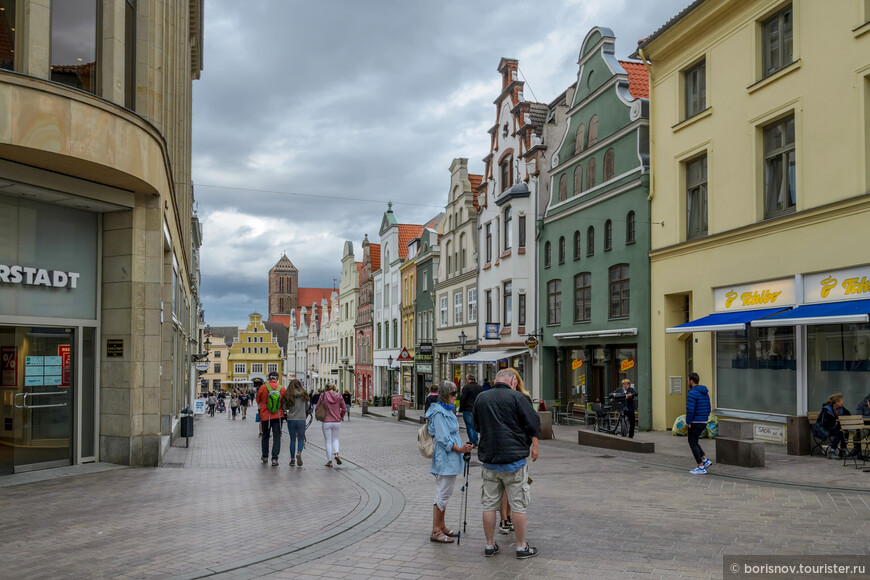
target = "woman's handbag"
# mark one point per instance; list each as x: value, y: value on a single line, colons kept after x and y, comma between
x: 320, y: 412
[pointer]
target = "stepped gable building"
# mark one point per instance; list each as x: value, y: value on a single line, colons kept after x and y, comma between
x: 364, y: 327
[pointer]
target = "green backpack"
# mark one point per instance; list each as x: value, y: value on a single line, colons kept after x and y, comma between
x: 273, y: 401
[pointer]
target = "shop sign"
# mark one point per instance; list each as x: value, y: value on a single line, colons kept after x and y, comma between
x: 199, y: 407
x: 576, y: 364
x: 772, y: 433
x: 202, y: 367
x: 531, y: 342
x: 849, y: 284
x: 114, y: 347
x: 8, y: 374
x: 26, y: 275
x: 750, y: 296
x: 404, y: 356
x: 490, y: 330
x: 626, y: 364
x: 63, y: 350
x: 424, y: 369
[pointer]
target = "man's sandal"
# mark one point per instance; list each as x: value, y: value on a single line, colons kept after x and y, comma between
x: 441, y: 538
x: 450, y: 533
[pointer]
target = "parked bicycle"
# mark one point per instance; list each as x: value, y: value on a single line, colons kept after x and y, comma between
x: 605, y: 422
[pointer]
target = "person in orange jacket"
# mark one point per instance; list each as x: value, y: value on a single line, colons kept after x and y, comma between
x: 270, y: 420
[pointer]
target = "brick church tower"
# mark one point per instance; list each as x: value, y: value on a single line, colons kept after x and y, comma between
x: 283, y: 287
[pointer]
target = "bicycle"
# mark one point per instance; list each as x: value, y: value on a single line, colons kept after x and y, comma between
x: 309, y: 416
x: 604, y: 420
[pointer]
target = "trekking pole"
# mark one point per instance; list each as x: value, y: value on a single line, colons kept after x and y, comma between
x: 463, y: 515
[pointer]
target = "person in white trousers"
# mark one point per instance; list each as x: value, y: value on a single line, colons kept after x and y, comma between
x: 335, y: 409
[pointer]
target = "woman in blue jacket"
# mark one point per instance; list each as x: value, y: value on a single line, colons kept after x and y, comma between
x: 447, y: 460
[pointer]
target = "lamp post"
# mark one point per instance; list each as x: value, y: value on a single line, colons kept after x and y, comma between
x: 390, y: 370
x: 462, y: 339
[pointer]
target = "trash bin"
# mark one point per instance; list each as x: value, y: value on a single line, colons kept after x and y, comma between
x: 187, y: 422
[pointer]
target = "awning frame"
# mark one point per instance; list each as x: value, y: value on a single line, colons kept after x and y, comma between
x: 843, y: 318
x: 486, y: 356
x: 730, y: 326
x: 605, y: 333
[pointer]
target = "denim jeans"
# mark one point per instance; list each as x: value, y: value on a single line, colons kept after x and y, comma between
x: 469, y: 426
x: 271, y: 427
x: 296, y: 429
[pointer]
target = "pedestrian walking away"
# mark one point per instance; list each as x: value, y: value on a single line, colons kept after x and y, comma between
x: 508, y: 425
x: 269, y: 401
x: 697, y: 415
x: 466, y: 404
x: 212, y: 403
x: 334, y: 408
x: 294, y: 404
x: 234, y: 405
x: 447, y: 461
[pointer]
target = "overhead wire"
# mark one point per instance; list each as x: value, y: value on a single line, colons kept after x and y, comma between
x: 316, y: 195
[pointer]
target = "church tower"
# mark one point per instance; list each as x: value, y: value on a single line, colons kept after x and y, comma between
x: 283, y: 287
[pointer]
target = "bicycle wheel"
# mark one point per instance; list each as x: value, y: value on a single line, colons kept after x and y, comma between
x: 623, y: 425
x: 309, y: 420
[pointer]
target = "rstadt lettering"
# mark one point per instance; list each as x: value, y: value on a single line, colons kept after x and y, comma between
x: 38, y: 276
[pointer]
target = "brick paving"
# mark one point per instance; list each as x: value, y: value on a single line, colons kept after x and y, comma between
x: 594, y: 513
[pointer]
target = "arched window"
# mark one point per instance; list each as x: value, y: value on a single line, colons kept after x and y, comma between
x: 619, y: 291
x: 462, y: 251
x: 576, y: 245
x: 629, y: 228
x: 449, y: 253
x: 563, y: 187
x: 547, y: 255
x: 562, y: 250
x: 593, y: 131
x: 608, y: 164
x: 590, y: 241
x: 578, y: 179
x: 281, y: 305
x: 590, y: 174
x: 608, y: 235
x: 581, y: 136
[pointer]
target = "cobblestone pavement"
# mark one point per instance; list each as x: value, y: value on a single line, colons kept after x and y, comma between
x: 224, y: 515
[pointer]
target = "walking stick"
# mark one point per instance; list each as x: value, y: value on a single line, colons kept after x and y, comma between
x: 463, y: 515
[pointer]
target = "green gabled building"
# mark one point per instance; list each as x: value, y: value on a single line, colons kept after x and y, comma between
x: 593, y: 276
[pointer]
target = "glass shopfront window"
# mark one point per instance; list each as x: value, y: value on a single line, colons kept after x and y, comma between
x: 757, y: 370
x: 625, y: 359
x: 577, y: 365
x: 838, y: 361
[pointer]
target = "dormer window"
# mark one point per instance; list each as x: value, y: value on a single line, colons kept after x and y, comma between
x: 504, y: 131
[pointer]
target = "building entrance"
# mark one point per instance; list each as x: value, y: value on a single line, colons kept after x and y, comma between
x: 36, y: 397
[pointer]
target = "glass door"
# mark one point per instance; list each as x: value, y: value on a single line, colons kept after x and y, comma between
x: 37, y: 397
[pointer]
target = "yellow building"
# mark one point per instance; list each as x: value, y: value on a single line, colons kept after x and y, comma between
x: 215, y: 378
x: 760, y: 136
x: 254, y: 354
x: 408, y: 272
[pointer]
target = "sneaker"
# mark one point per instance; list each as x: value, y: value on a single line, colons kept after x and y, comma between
x: 699, y: 471
x: 707, y: 463
x: 299, y: 459
x: 509, y: 522
x: 292, y: 462
x: 489, y: 552
x: 264, y: 459
x: 504, y: 527
x: 274, y: 462
x: 527, y: 552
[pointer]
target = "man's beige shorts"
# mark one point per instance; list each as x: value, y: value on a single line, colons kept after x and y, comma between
x: 514, y: 484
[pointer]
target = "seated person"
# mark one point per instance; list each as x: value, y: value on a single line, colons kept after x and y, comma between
x: 862, y: 409
x: 827, y: 424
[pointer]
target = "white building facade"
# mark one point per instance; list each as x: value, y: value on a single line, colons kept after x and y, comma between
x: 348, y: 303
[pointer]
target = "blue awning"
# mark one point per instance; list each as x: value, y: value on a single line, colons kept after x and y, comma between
x: 854, y: 311
x: 724, y: 321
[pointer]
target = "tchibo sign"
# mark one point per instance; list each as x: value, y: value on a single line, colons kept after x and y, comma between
x: 27, y: 276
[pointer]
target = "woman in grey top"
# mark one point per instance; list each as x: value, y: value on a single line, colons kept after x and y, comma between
x: 295, y: 404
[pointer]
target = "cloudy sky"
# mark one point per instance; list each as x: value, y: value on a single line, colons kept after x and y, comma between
x: 310, y: 116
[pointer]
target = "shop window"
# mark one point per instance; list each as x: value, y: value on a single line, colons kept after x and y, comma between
x: 608, y: 236
x: 756, y: 370
x: 578, y: 179
x: 563, y: 187
x: 609, y: 162
x: 580, y: 137
x: 777, y: 41
x: 577, y: 245
x: 73, y: 52
x: 554, y: 302
x: 590, y: 241
x: 838, y: 360
x: 780, y: 187
x: 695, y: 83
x: 619, y: 291
x: 7, y: 34
x: 696, y: 198
x: 583, y: 297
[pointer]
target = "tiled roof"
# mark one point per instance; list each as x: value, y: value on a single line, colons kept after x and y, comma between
x: 433, y: 222
x: 375, y: 253
x: 538, y: 113
x: 282, y: 318
x: 284, y: 264
x: 475, y: 180
x: 280, y: 331
x: 638, y: 79
x: 228, y: 333
x: 309, y: 295
x: 407, y: 232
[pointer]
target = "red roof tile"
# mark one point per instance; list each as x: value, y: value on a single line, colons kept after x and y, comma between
x: 638, y: 79
x: 309, y: 295
x: 282, y: 318
x: 407, y: 232
x: 375, y: 253
x: 475, y: 180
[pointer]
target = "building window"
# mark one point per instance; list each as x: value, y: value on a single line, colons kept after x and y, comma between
x: 508, y: 303
x: 379, y: 335
x: 563, y: 187
x: 73, y: 49
x: 507, y: 228
x: 578, y: 179
x: 257, y: 367
x: 580, y: 137
x: 239, y: 368
x: 488, y: 243
x: 130, y: 55
x: 272, y: 368
x: 629, y: 228
x: 562, y: 250
x: 695, y: 80
x: 457, y: 308
x: 590, y: 241
x: 554, y: 302
x: 619, y: 291
x: 593, y: 130
x: 506, y: 173
x: 590, y: 174
x: 777, y: 37
x: 7, y: 33
x: 462, y: 249
x: 443, y: 311
x: 521, y: 310
x: 780, y: 191
x: 547, y: 255
x: 217, y: 367
x: 609, y: 161
x: 387, y: 334
x: 488, y: 306
x: 217, y: 354
x: 395, y: 333
x: 576, y: 245
x: 472, y: 305
x: 608, y: 236
x: 521, y: 222
x: 696, y: 198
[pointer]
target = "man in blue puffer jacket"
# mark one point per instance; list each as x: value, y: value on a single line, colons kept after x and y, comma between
x: 697, y: 415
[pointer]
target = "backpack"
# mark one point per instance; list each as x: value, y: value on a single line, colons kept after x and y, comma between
x: 425, y: 442
x: 273, y: 400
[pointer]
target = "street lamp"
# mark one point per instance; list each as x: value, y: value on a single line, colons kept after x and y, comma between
x: 390, y: 369
x: 462, y: 339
